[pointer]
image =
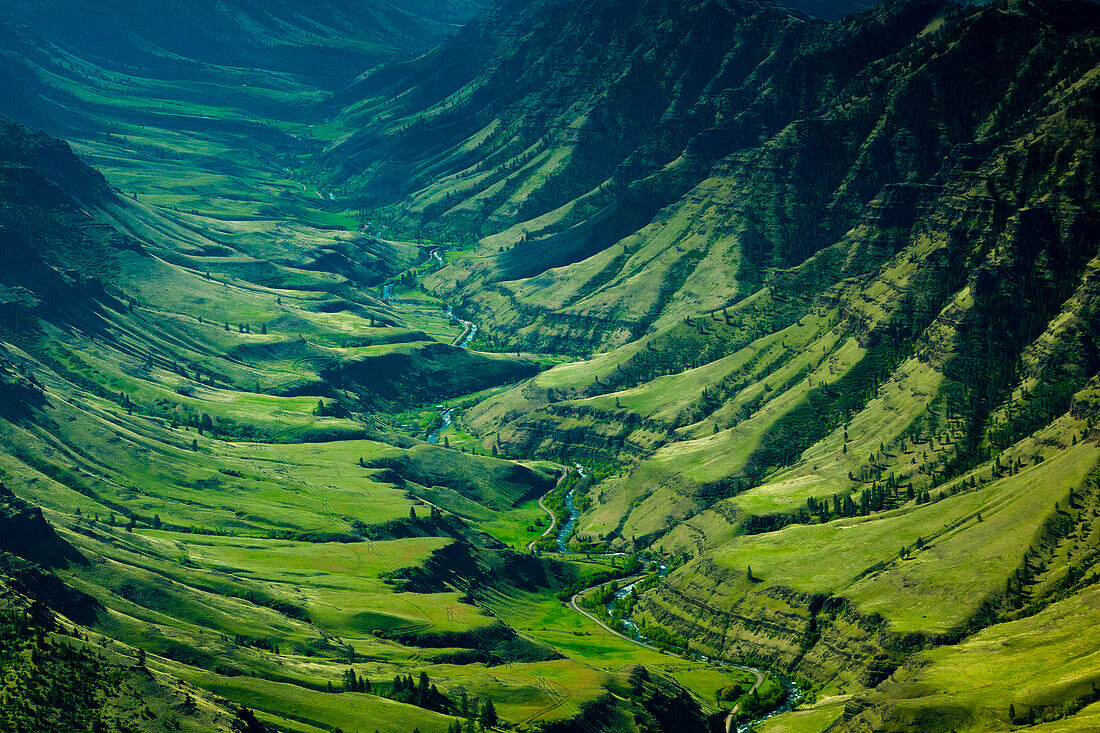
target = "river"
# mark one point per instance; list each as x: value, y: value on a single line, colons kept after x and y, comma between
x: 792, y: 692
x: 566, y: 530
x: 467, y: 335
x: 469, y: 328
x: 433, y: 437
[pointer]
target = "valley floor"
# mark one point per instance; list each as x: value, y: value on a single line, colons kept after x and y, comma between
x: 284, y: 445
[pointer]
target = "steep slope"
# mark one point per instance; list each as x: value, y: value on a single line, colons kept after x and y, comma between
x: 238, y: 510
x: 836, y: 287
x: 678, y: 170
x: 837, y: 297
x: 326, y: 43
x: 57, y: 676
x: 999, y: 234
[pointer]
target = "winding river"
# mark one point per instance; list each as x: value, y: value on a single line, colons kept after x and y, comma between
x: 792, y: 692
x: 467, y: 335
x: 566, y: 530
x: 433, y: 436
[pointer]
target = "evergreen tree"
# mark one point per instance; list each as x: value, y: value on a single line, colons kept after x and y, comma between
x: 488, y: 715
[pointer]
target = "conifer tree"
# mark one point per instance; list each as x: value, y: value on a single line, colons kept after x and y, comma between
x: 488, y: 715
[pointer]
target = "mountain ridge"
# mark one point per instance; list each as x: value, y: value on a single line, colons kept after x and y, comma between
x: 869, y: 327
x: 789, y: 325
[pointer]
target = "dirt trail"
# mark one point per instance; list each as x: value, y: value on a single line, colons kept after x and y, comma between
x: 553, y: 523
x: 730, y: 725
x: 625, y: 582
x: 553, y: 517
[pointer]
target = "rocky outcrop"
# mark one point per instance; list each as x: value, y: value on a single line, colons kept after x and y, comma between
x: 26, y: 533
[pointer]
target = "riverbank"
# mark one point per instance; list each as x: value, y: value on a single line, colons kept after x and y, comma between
x: 792, y: 694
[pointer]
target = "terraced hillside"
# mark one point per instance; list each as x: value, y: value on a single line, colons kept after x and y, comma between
x: 250, y: 523
x: 633, y: 367
x: 616, y: 194
x: 832, y: 287
x: 328, y: 43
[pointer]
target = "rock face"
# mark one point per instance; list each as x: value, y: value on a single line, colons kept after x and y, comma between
x: 56, y: 247
x: 53, y: 165
x: 836, y: 286
x: 24, y: 532
x: 625, y: 170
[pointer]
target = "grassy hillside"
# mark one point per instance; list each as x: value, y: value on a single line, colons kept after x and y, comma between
x: 328, y: 45
x: 607, y: 204
x: 804, y: 310
x: 832, y: 292
x: 238, y: 479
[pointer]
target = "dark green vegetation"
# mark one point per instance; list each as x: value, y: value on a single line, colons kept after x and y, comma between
x: 834, y: 291
x: 225, y: 426
x: 230, y: 504
x: 327, y: 43
x: 815, y: 305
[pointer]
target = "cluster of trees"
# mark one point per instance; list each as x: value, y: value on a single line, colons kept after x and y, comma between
x: 54, y: 685
x: 873, y: 499
x: 661, y: 636
x: 245, y: 327
x: 332, y: 409
x: 247, y: 722
x: 601, y: 596
x: 580, y: 584
x: 474, y: 715
x: 762, y: 698
x: 354, y: 683
x: 422, y: 693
